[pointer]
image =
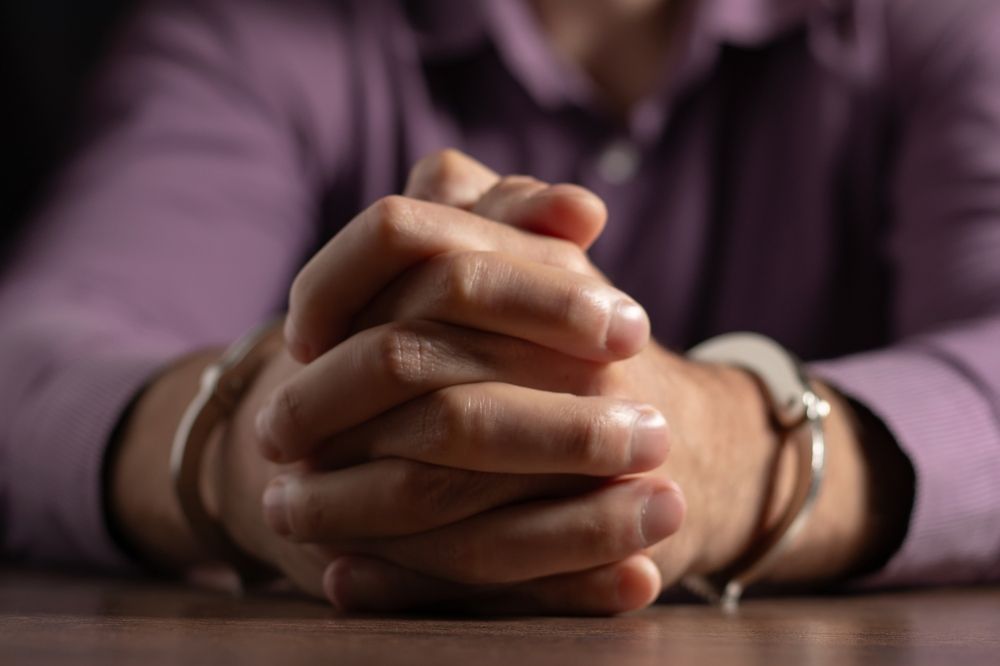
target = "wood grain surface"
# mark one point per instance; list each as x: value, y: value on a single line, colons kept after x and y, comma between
x: 50, y: 618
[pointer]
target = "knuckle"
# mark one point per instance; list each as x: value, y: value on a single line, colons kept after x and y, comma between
x: 597, y: 534
x: 391, y: 219
x: 601, y: 442
x: 303, y: 299
x: 306, y: 514
x: 590, y: 440
x: 609, y: 530
x: 585, y: 311
x: 445, y: 420
x: 568, y: 255
x: 287, y: 425
x: 505, y: 195
x: 575, y: 309
x: 465, y: 415
x: 426, y: 493
x: 439, y: 491
x: 515, y: 182
x: 455, y: 425
x: 463, y: 277
x: 432, y: 171
x: 446, y: 176
x: 428, y: 164
x: 578, y: 262
x: 404, y: 356
x: 447, y: 163
x: 406, y: 481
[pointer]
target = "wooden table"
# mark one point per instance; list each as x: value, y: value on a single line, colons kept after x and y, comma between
x: 53, y: 619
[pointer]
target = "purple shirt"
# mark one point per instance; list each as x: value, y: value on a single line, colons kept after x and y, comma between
x: 826, y: 173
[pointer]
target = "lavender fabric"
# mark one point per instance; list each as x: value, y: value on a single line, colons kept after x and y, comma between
x: 826, y: 173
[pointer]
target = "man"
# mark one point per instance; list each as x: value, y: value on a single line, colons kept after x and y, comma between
x: 466, y: 408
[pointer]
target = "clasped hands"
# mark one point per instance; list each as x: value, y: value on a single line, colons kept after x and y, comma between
x: 469, y: 414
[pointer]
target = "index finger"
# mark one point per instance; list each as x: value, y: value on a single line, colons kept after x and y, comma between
x: 388, y: 238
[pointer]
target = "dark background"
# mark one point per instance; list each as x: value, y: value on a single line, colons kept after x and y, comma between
x: 48, y: 50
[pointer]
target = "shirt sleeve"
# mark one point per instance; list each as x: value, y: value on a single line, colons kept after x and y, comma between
x: 938, y: 388
x: 179, y: 226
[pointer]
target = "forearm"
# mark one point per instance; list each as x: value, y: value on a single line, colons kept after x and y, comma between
x: 141, y: 500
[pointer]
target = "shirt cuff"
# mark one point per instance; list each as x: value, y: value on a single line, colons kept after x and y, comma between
x: 946, y: 426
x: 59, y: 449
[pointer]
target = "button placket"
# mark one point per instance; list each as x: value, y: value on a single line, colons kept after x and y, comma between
x: 619, y: 161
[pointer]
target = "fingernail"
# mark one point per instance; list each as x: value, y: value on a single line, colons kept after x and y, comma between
x: 638, y: 584
x: 349, y: 585
x: 264, y: 429
x: 650, y: 440
x: 276, y: 506
x: 335, y: 586
x: 661, y: 515
x: 628, y: 328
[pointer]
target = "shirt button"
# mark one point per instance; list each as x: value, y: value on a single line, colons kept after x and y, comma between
x: 618, y: 162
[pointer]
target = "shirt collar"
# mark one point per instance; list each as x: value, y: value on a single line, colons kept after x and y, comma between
x: 454, y: 29
x: 754, y: 22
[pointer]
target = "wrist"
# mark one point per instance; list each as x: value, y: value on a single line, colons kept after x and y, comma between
x: 742, y: 476
x: 141, y: 501
x: 746, y: 475
x: 236, y: 473
x: 223, y: 386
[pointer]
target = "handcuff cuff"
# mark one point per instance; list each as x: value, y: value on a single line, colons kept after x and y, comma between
x: 799, y: 411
